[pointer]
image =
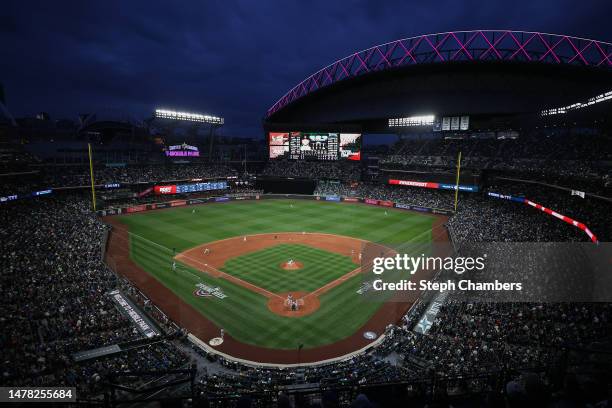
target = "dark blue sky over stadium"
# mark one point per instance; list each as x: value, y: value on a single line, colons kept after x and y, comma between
x: 229, y: 58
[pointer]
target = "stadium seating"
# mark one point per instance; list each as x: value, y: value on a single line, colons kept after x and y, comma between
x: 55, y: 299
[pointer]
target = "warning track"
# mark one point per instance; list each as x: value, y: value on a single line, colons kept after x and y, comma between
x: 118, y: 257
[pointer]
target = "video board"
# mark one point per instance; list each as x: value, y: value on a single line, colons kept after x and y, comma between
x: 314, y: 145
x: 350, y: 146
x: 279, y: 144
x: 190, y: 188
x: 319, y: 146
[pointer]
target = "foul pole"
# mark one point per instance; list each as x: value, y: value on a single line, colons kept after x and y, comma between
x: 91, y: 175
x: 457, y: 180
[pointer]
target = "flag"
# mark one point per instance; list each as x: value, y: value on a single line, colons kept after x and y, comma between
x: 578, y: 193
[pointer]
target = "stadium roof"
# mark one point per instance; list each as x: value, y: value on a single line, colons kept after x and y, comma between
x: 513, y: 48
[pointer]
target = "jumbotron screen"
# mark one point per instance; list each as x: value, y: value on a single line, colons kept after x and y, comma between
x: 314, y: 145
x: 279, y: 144
x: 350, y: 146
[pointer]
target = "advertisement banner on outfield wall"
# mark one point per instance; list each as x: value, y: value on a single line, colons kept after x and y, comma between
x: 177, y: 203
x: 197, y: 201
x: 351, y: 199
x: 332, y: 198
x: 221, y: 199
x: 298, y: 197
x: 422, y: 209
x: 137, y: 208
x: 386, y: 203
x: 162, y: 205
x: 370, y: 201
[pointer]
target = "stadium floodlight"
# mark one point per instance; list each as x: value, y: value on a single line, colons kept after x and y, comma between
x: 578, y: 105
x: 189, y: 117
x: 422, y: 120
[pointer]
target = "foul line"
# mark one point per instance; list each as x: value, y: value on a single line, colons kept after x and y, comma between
x: 337, y: 282
x: 221, y: 274
x: 230, y: 278
x: 267, y: 293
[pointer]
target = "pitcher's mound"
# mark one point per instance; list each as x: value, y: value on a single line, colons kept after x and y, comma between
x: 291, y: 266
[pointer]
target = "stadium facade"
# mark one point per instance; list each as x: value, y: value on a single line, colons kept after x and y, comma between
x: 497, y: 77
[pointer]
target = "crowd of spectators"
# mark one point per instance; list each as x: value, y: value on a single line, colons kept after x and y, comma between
x: 317, y: 170
x: 414, y: 196
x: 55, y: 300
x: 537, y: 155
x: 62, y: 176
x: 482, y: 218
x: 38, y: 177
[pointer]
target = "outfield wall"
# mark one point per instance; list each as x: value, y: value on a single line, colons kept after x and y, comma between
x: 222, y: 199
x: 124, y: 257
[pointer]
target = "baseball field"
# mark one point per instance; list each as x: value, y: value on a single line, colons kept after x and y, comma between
x: 274, y: 274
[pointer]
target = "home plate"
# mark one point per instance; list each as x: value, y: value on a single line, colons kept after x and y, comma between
x: 216, y: 341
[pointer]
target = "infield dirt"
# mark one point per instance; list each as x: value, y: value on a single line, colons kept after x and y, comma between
x: 187, y: 317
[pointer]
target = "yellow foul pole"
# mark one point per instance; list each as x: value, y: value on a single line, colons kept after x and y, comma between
x: 93, y: 191
x: 457, y: 181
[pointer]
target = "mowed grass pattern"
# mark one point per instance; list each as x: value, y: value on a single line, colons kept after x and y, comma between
x: 244, y: 314
x: 262, y: 268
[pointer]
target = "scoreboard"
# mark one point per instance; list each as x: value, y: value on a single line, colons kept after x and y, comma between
x: 319, y: 146
x: 314, y: 145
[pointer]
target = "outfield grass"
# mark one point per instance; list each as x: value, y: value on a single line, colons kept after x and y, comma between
x: 244, y: 314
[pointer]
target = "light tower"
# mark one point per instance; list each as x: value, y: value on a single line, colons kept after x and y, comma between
x: 197, y: 118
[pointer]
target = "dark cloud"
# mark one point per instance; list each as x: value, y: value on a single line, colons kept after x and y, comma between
x: 231, y: 58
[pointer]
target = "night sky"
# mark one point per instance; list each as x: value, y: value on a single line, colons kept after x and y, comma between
x: 228, y: 58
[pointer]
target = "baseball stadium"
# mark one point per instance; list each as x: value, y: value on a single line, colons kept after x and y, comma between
x: 255, y: 256
x: 157, y: 260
